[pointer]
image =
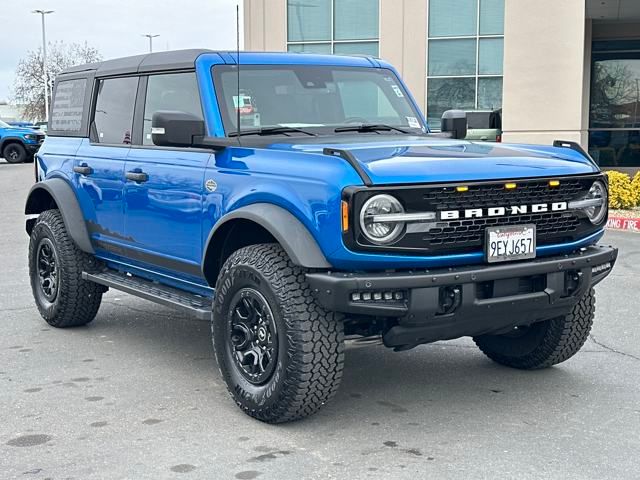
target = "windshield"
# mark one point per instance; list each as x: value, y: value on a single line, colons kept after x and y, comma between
x: 4, y: 125
x: 315, y: 98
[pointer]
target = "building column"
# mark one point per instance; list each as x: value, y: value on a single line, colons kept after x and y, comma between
x: 265, y: 25
x: 545, y: 64
x: 403, y: 42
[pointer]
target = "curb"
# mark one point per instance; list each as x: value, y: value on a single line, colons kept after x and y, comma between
x: 622, y: 223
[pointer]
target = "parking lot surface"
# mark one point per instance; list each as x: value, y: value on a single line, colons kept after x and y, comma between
x: 137, y: 395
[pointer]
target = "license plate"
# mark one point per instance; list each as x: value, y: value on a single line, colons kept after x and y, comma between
x: 511, y: 242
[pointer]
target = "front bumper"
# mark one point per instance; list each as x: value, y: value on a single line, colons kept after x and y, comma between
x: 448, y: 303
x: 32, y: 148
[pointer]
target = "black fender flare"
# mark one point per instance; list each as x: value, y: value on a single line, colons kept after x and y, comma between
x: 294, y: 237
x: 64, y: 197
x: 11, y: 139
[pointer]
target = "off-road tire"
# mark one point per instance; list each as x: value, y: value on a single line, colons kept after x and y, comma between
x: 543, y: 344
x: 310, y: 355
x: 77, y: 301
x: 14, y: 153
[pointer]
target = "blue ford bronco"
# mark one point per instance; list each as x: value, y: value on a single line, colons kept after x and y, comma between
x: 300, y: 201
x: 19, y: 144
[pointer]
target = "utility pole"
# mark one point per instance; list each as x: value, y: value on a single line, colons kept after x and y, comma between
x: 150, y: 37
x: 45, y: 77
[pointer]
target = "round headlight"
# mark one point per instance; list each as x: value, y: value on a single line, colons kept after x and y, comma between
x: 597, y: 211
x: 372, y: 222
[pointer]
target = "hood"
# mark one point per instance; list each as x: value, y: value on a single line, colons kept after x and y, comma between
x: 10, y: 131
x: 399, y: 160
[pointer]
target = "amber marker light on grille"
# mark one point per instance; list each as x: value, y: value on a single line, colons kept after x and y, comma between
x: 554, y: 183
x: 462, y: 188
x: 510, y: 186
x: 345, y: 216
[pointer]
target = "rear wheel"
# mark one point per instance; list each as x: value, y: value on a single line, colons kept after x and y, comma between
x: 542, y: 344
x: 14, y: 153
x: 56, y: 264
x: 279, y: 352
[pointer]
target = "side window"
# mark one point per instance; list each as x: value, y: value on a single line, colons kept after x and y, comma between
x: 174, y: 91
x: 68, y: 106
x: 114, y: 110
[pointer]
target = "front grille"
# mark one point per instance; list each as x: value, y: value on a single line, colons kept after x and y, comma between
x: 470, y: 233
x: 467, y: 234
x: 492, y: 195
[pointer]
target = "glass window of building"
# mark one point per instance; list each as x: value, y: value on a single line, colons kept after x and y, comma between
x: 614, y: 122
x: 465, y: 56
x: 333, y: 26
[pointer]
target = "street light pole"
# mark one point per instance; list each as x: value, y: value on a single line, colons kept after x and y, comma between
x: 45, y: 77
x: 150, y: 37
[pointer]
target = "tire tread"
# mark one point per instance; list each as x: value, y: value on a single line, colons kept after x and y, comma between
x: 316, y: 337
x: 78, y: 300
x: 563, y: 338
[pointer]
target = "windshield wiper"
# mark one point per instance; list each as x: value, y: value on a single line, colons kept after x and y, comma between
x: 371, y: 127
x: 271, y: 131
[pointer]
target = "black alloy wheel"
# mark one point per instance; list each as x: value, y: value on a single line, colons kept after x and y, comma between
x: 252, y: 336
x: 14, y: 153
x: 47, y: 259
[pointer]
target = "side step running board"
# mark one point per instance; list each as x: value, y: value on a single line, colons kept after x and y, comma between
x: 195, y: 305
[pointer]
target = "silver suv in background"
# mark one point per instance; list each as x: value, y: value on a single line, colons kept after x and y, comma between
x: 484, y: 125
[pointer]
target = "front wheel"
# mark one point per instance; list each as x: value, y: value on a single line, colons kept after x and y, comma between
x: 542, y: 344
x: 14, y: 153
x: 280, y: 354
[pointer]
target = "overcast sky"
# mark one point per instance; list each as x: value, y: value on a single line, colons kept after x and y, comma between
x: 114, y: 27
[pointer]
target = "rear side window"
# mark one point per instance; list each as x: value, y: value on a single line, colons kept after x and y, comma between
x: 175, y: 91
x: 67, y: 107
x: 113, y: 118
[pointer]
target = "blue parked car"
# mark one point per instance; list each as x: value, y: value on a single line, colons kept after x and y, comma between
x: 299, y: 201
x: 19, y: 144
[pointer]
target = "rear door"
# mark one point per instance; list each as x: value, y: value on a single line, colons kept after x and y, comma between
x: 164, y: 207
x: 100, y: 161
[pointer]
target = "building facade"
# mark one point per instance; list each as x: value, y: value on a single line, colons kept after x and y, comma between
x: 565, y: 69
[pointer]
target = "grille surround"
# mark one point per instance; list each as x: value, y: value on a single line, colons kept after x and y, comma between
x: 442, y: 237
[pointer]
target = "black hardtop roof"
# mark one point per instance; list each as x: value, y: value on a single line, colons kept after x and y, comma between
x: 150, y: 62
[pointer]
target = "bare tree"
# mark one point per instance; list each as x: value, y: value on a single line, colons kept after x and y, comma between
x: 28, y: 88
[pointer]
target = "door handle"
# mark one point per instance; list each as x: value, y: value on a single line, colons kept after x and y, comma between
x: 138, y: 177
x: 83, y: 169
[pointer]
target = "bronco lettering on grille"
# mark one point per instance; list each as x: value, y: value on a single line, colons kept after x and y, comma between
x: 502, y: 211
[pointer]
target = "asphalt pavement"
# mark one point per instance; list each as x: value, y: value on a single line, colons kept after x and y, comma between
x: 137, y: 395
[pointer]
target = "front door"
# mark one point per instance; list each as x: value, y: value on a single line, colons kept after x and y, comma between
x: 164, y: 187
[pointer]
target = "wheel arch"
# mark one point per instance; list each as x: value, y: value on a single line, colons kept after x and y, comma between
x: 56, y: 193
x: 260, y: 223
x: 4, y: 141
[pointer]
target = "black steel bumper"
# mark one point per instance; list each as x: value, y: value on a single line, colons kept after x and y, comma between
x: 32, y: 148
x: 448, y: 303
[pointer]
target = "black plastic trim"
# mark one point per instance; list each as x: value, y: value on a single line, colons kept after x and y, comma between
x: 284, y: 227
x: 576, y: 147
x: 352, y: 160
x: 65, y: 198
x: 150, y: 259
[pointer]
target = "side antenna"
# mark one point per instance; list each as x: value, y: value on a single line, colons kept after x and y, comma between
x: 238, y: 106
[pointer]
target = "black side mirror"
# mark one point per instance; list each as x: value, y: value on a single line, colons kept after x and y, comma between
x: 455, y: 123
x: 175, y: 129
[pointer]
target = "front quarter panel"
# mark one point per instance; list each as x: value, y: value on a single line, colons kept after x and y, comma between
x: 306, y: 185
